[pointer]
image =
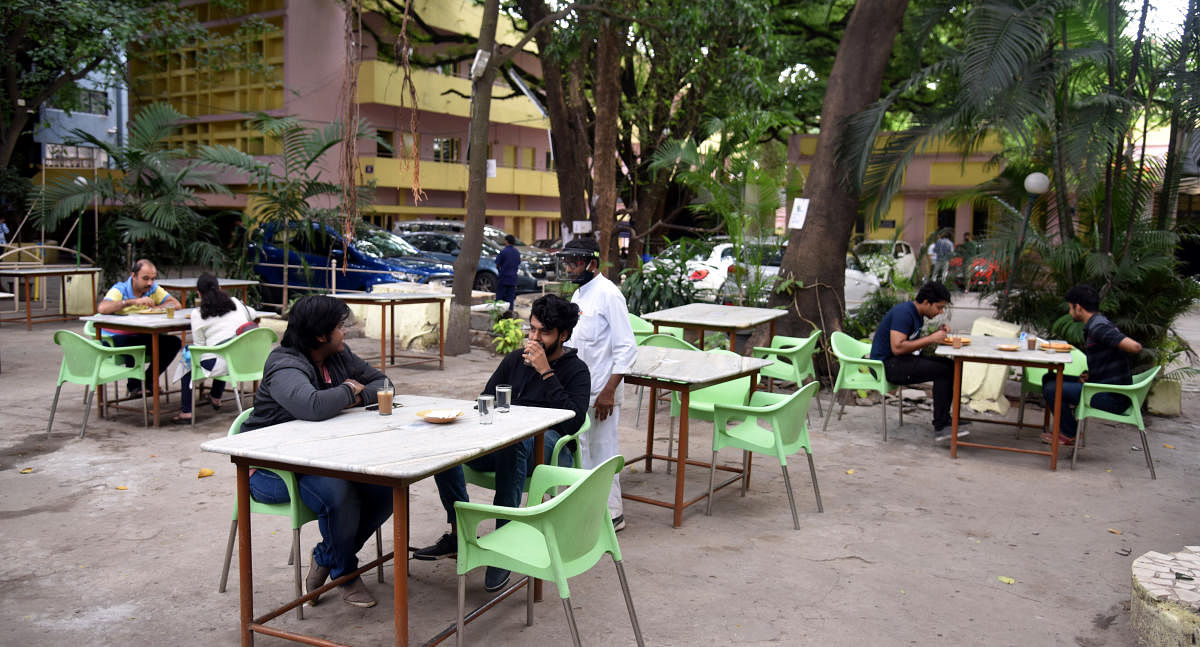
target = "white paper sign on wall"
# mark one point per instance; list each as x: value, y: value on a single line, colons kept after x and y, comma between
x: 491, y: 170
x: 799, y: 213
x: 581, y: 227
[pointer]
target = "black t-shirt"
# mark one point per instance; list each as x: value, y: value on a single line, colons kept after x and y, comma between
x: 1107, y: 364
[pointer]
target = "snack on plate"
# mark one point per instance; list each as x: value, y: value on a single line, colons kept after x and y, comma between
x: 1008, y: 347
x: 440, y: 416
x: 150, y: 311
x: 1056, y: 345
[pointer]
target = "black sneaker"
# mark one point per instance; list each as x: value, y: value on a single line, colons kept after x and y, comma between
x: 942, y: 434
x: 445, y: 548
x: 494, y: 579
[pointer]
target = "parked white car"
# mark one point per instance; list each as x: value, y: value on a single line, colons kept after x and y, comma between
x: 883, y: 258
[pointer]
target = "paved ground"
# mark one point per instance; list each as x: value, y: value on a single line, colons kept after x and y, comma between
x: 911, y: 547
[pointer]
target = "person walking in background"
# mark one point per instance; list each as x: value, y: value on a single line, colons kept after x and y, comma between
x: 136, y: 293
x: 605, y: 342
x: 943, y: 250
x: 214, y: 322
x: 507, y: 262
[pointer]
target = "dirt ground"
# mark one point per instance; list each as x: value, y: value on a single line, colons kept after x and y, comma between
x: 113, y: 539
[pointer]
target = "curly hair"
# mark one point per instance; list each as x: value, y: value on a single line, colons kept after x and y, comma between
x: 1084, y: 296
x: 932, y: 292
x: 556, y: 313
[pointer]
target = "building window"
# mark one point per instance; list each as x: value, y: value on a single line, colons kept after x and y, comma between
x: 445, y: 149
x: 549, y: 161
x: 93, y: 102
x: 389, y: 138
x: 64, y: 156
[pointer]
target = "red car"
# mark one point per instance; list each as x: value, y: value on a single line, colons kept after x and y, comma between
x: 982, y: 273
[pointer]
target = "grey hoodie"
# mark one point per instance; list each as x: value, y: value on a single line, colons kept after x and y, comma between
x: 291, y: 388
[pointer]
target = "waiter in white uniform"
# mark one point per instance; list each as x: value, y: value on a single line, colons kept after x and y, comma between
x: 604, y: 340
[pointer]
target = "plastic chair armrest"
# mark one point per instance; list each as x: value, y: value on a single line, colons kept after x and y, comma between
x: 1092, y: 388
x: 137, y: 352
x: 561, y: 444
x: 548, y: 477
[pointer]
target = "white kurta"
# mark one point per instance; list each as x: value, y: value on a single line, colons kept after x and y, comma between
x: 604, y: 340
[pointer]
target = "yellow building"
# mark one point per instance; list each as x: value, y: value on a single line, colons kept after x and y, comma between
x: 306, y: 56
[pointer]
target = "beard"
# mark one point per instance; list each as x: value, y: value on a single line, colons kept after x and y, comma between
x: 552, y: 349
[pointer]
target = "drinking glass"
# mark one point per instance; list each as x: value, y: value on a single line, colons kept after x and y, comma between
x: 503, y: 397
x: 486, y: 405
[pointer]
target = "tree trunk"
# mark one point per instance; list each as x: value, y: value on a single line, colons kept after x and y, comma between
x: 604, y: 180
x: 458, y: 338
x: 816, y: 255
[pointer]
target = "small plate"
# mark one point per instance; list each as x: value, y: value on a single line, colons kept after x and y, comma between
x: 150, y: 311
x: 1008, y: 347
x: 440, y: 416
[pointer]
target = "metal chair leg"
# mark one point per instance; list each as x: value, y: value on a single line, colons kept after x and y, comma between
x: 812, y: 471
x: 712, y: 472
x: 87, y: 409
x: 1020, y: 416
x: 829, y: 414
x: 900, y: 401
x: 462, y: 603
x: 294, y: 557
x: 637, y: 630
x: 1078, y: 437
x: 237, y: 397
x: 571, y: 622
x: 54, y: 407
x: 1146, y: 450
x: 228, y: 556
x: 885, y: 415
x: 787, y: 483
x: 745, y: 472
x: 195, y: 408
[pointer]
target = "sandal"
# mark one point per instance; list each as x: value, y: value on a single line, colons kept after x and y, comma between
x: 178, y: 419
x: 215, y: 404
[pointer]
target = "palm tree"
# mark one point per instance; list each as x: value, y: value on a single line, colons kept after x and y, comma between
x: 154, y: 196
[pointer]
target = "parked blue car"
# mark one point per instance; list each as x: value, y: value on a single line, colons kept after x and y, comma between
x: 375, y: 256
x: 446, y: 246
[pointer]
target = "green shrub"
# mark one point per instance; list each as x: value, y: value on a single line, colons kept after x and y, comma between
x: 507, y: 335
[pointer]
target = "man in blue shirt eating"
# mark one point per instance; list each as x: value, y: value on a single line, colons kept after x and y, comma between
x: 898, y: 342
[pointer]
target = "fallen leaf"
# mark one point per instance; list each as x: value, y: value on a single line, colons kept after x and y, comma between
x: 1006, y: 580
x: 122, y: 487
x: 27, y: 470
x: 1168, y: 446
x: 1114, y: 531
x: 1109, y: 470
x: 204, y: 471
x: 849, y: 471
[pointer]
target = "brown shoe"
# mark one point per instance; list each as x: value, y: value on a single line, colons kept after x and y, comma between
x: 317, y: 575
x: 355, y: 594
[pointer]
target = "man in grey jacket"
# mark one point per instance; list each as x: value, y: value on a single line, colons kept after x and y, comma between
x: 312, y: 375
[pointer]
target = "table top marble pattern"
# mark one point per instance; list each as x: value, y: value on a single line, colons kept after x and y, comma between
x: 180, y: 321
x: 399, y: 446
x: 390, y: 297
x: 189, y: 283
x: 690, y: 366
x: 986, y: 348
x: 711, y: 314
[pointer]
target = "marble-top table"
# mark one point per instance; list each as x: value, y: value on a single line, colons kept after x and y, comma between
x: 986, y: 350
x: 184, y: 286
x: 363, y: 446
x: 387, y: 302
x: 33, y: 272
x: 710, y: 316
x: 152, y: 325
x: 683, y: 371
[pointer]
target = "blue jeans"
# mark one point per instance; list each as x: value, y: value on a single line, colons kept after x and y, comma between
x: 511, y: 465
x: 1072, y: 389
x: 185, y: 382
x: 348, y: 513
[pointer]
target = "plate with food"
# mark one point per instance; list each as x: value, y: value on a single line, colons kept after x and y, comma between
x: 1007, y: 347
x: 440, y: 416
x: 949, y: 341
x: 1058, y: 346
x: 150, y: 311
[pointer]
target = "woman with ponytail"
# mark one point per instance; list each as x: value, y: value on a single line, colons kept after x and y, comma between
x: 215, y: 321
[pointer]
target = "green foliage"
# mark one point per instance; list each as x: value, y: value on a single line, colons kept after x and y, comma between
x: 154, y: 197
x: 863, y: 323
x: 507, y: 335
x: 663, y: 284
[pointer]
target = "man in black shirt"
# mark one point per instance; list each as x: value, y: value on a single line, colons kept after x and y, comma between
x: 543, y: 374
x: 1108, y: 351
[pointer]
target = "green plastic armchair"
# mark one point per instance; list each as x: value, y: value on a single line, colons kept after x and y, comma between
x: 555, y: 540
x: 702, y: 401
x: 244, y: 355
x: 1136, y: 393
x: 857, y: 372
x: 89, y: 331
x: 296, y: 512
x: 786, y: 434
x: 488, y: 479
x: 661, y: 341
x: 91, y: 364
x: 643, y: 328
x: 1031, y: 383
x: 793, y: 361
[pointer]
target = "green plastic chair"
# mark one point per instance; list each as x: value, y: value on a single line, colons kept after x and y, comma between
x: 857, y: 372
x: 702, y: 401
x: 92, y: 364
x: 245, y: 356
x: 660, y: 340
x: 1031, y: 382
x: 488, y: 479
x: 1133, y: 415
x: 793, y: 361
x: 89, y: 331
x: 555, y: 540
x: 787, y: 417
x: 643, y: 329
x: 295, y: 510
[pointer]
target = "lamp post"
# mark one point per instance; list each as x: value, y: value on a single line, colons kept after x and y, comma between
x: 1036, y: 184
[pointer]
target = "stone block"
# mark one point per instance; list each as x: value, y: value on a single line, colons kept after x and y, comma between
x: 1165, y: 398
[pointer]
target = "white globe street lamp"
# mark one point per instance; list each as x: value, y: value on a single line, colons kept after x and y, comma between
x: 1036, y: 184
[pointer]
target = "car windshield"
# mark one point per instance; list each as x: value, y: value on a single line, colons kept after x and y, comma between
x: 496, y: 237
x: 378, y: 243
x: 487, y: 247
x: 769, y: 255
